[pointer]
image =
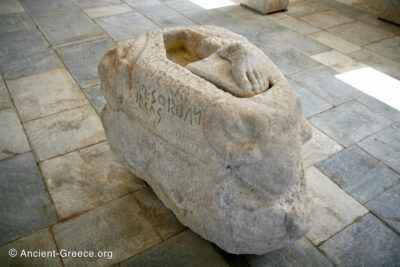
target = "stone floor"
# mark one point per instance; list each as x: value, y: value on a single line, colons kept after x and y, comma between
x: 62, y: 189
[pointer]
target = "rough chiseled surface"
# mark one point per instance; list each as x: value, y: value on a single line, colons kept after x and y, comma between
x: 229, y: 168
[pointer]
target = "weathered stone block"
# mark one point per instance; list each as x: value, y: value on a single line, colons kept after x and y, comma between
x: 226, y: 161
x: 266, y: 6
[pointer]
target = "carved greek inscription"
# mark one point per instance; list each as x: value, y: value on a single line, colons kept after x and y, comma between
x: 157, y: 105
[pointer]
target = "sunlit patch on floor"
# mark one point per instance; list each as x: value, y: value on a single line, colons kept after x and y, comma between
x: 210, y: 4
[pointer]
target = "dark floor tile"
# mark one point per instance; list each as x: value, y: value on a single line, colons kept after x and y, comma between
x: 367, y: 242
x: 26, y: 206
x: 360, y: 174
x: 301, y: 42
x: 312, y: 104
x: 67, y: 27
x: 322, y: 81
x: 163, y: 220
x: 386, y: 206
x: 349, y: 122
x: 15, y: 22
x: 289, y: 60
x: 184, y: 249
x: 157, y: 11
x: 26, y: 63
x: 126, y: 26
x: 96, y: 98
x: 119, y: 227
x: 48, y: 7
x: 385, y: 146
x: 14, y: 42
x: 301, y: 253
x: 82, y: 59
x: 379, y: 107
x: 174, y: 21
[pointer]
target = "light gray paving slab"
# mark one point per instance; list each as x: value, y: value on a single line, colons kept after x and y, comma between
x: 379, y: 107
x: 378, y: 62
x: 389, y: 48
x: 341, y: 7
x: 5, y: 100
x: 182, y: 5
x: 157, y: 11
x: 45, y: 93
x: 126, y: 26
x: 302, y: 253
x: 119, y: 227
x: 204, y: 16
x: 312, y: 104
x: 79, y: 26
x: 12, y: 136
x: 105, y: 11
x: 161, y: 218
x: 359, y: 33
x: 174, y: 21
x: 27, y: 40
x: 266, y: 26
x: 334, y: 42
x: 318, y: 148
x: 10, y: 6
x: 26, y: 206
x: 385, y: 146
x: 367, y: 242
x: 326, y: 19
x: 184, y: 249
x: 48, y: 7
x: 96, y: 3
x: 26, y: 63
x: 301, y: 42
x: 357, y: 172
x: 373, y: 21
x: 64, y: 132
x: 289, y: 60
x: 86, y: 179
x: 349, y: 122
x: 297, y: 25
x: 15, y: 22
x: 82, y: 59
x: 96, y: 98
x: 138, y: 3
x: 396, y: 125
x: 386, y: 206
x: 41, y: 240
x: 334, y: 208
x: 305, y: 8
x: 322, y: 81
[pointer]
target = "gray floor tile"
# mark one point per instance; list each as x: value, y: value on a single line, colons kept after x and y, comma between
x: 340, y: 7
x: 182, y: 5
x: 27, y: 63
x: 45, y: 93
x: 163, y: 220
x: 305, y: 8
x: 301, y: 253
x: 184, y: 249
x: 302, y: 43
x: 174, y: 21
x: 372, y: 19
x: 289, y: 60
x: 5, y: 100
x: 267, y: 26
x: 206, y: 17
x: 397, y: 125
x: 126, y: 26
x: 14, y: 42
x: 64, y: 132
x: 67, y: 27
x: 10, y: 6
x: 48, y: 7
x: 82, y: 59
x: 322, y: 81
x: 386, y: 206
x: 26, y: 206
x: 96, y: 98
x: 96, y: 3
x: 87, y: 178
x: 157, y: 11
x: 389, y: 48
x: 312, y: 104
x: 379, y: 107
x: 119, y: 226
x: 138, y: 3
x: 357, y: 172
x: 367, y: 242
x: 15, y: 22
x: 349, y: 122
x: 12, y: 136
x: 385, y: 146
